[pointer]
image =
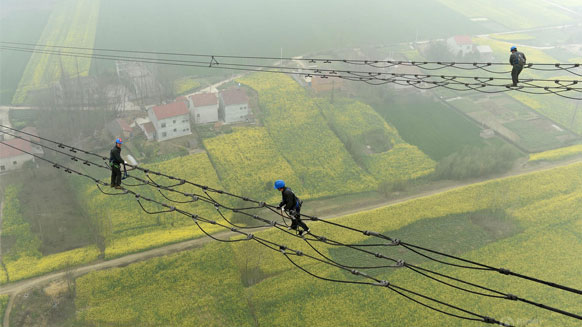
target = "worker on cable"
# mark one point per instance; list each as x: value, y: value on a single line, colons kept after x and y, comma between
x: 292, y: 205
x: 115, y: 162
x: 517, y: 60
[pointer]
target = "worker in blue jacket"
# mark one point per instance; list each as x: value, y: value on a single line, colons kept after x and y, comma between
x: 292, y: 205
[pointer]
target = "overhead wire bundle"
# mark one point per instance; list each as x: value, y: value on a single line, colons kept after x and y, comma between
x: 378, y: 71
x: 203, y: 195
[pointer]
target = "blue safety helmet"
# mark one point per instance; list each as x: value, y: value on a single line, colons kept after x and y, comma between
x: 279, y: 184
x: 118, y: 141
x: 513, y: 48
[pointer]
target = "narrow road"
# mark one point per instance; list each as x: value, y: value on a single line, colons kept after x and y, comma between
x: 17, y: 287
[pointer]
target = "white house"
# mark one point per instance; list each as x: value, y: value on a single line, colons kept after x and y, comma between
x: 460, y: 44
x: 485, y: 52
x: 170, y: 120
x: 234, y: 105
x: 12, y: 159
x: 204, y: 107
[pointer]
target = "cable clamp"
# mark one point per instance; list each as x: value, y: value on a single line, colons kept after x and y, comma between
x: 213, y: 222
x: 282, y: 248
x: 400, y: 263
x: 322, y: 238
x: 298, y: 253
x: 194, y: 217
x: 250, y: 236
x: 273, y: 223
x: 262, y: 204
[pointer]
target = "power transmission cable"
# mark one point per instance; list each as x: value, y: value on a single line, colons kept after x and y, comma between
x: 414, y: 248
x: 399, y: 263
x: 284, y: 249
x: 373, y: 78
x: 426, y: 65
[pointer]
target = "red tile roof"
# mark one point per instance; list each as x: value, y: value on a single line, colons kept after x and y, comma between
x: 7, y: 152
x: 463, y: 39
x: 204, y: 99
x: 170, y: 110
x: 123, y: 124
x: 234, y: 96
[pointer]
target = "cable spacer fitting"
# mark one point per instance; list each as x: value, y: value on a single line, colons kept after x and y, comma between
x: 504, y: 271
x: 262, y: 204
x: 396, y: 241
x: 400, y: 263
x: 250, y: 236
x: 273, y: 223
x: 255, y: 217
x: 384, y: 283
x: 489, y: 320
x: 511, y: 297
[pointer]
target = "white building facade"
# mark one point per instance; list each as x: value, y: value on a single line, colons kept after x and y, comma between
x: 460, y: 44
x: 204, y: 108
x: 234, y: 106
x: 170, y: 120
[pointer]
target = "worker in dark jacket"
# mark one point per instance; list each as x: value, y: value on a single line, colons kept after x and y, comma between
x: 115, y: 161
x: 517, y: 60
x: 292, y: 206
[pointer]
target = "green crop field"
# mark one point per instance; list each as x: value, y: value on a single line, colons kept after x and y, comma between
x: 125, y: 228
x: 249, y: 162
x: 71, y: 23
x: 431, y: 126
x: 374, y: 143
x: 300, y: 133
x: 531, y: 14
x: 220, y: 28
x: 19, y: 25
x: 523, y: 223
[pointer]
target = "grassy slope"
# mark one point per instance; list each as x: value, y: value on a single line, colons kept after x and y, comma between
x: 545, y: 206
